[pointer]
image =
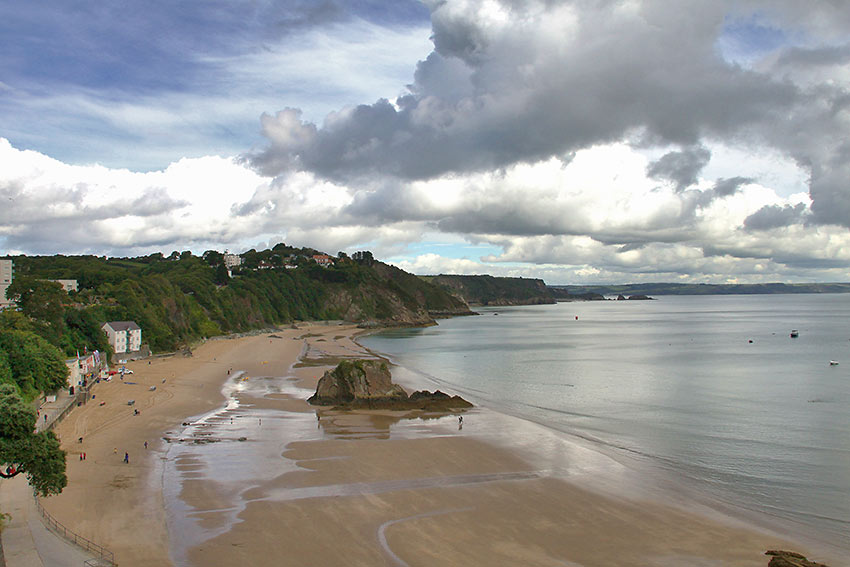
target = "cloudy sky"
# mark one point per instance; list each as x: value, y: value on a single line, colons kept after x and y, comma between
x: 583, y: 141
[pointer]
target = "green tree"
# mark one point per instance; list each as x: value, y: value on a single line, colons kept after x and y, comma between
x: 12, y: 319
x: 5, y: 369
x: 36, y: 365
x: 213, y: 257
x: 221, y: 276
x: 22, y: 450
x: 39, y: 299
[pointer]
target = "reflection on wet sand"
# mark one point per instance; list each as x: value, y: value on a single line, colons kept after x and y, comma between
x: 364, y: 424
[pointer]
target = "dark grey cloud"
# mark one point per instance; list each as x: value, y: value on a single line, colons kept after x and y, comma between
x: 775, y: 216
x: 489, y: 97
x: 730, y: 186
x: 560, y: 77
x: 830, y: 192
x: 682, y: 168
x: 815, y: 56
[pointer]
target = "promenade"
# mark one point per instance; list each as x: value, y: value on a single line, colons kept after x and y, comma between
x: 26, y: 542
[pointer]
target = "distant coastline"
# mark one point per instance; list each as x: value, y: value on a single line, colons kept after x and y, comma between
x: 654, y: 289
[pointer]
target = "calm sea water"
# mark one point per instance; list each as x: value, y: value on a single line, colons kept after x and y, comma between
x: 673, y: 384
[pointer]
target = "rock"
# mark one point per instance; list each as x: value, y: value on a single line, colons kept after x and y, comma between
x: 368, y: 384
x: 436, y: 401
x: 621, y: 297
x: 357, y: 380
x: 639, y: 297
x: 790, y: 559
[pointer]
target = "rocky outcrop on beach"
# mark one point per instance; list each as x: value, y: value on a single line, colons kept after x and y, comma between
x: 368, y: 384
x: 790, y: 559
x: 354, y: 380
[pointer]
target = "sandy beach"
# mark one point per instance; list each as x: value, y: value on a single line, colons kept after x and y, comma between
x: 240, y: 470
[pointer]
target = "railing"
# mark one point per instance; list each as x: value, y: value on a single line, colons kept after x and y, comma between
x: 105, y: 558
x: 55, y: 421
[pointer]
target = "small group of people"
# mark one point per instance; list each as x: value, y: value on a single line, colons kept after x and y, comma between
x: 82, y: 456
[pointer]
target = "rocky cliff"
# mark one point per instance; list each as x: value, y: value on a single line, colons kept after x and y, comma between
x: 489, y: 290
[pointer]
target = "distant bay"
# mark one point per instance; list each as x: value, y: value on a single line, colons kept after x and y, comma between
x: 709, y: 390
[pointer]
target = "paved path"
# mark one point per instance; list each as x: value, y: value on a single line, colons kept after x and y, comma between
x: 26, y: 541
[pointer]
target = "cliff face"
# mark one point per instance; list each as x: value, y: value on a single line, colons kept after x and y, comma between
x: 392, y: 297
x: 489, y: 290
x: 435, y: 300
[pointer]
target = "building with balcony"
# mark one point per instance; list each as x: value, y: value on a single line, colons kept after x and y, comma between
x: 123, y: 336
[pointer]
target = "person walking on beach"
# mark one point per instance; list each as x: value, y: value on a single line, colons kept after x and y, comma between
x: 146, y: 444
x: 127, y: 458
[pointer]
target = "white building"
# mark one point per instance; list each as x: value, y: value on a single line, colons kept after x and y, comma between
x: 123, y: 336
x: 84, y: 369
x: 6, y: 275
x: 67, y: 285
x: 232, y: 260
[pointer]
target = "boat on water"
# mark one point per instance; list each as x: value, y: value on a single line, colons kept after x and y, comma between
x: 833, y: 363
x: 795, y: 333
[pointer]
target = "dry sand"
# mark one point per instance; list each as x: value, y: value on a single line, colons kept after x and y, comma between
x: 351, y: 488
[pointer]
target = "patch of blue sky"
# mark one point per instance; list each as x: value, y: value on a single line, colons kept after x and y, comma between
x: 163, y: 80
x: 154, y: 45
x: 453, y: 250
x: 746, y: 40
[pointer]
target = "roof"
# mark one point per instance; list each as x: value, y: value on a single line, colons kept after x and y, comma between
x: 123, y: 325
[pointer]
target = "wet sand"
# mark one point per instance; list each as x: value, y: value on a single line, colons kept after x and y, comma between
x: 257, y: 476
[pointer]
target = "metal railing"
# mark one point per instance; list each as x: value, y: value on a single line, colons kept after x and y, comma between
x: 104, y: 556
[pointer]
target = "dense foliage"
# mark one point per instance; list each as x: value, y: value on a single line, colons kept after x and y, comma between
x: 22, y: 450
x: 30, y: 363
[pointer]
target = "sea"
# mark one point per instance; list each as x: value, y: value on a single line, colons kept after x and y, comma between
x: 706, y: 392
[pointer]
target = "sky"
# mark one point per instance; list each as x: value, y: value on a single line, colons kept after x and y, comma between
x: 577, y: 141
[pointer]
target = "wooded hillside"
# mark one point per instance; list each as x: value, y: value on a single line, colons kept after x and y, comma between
x: 182, y: 297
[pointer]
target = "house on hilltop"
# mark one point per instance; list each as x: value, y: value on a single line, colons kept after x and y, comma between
x: 123, y: 336
x: 323, y: 260
x: 232, y: 260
